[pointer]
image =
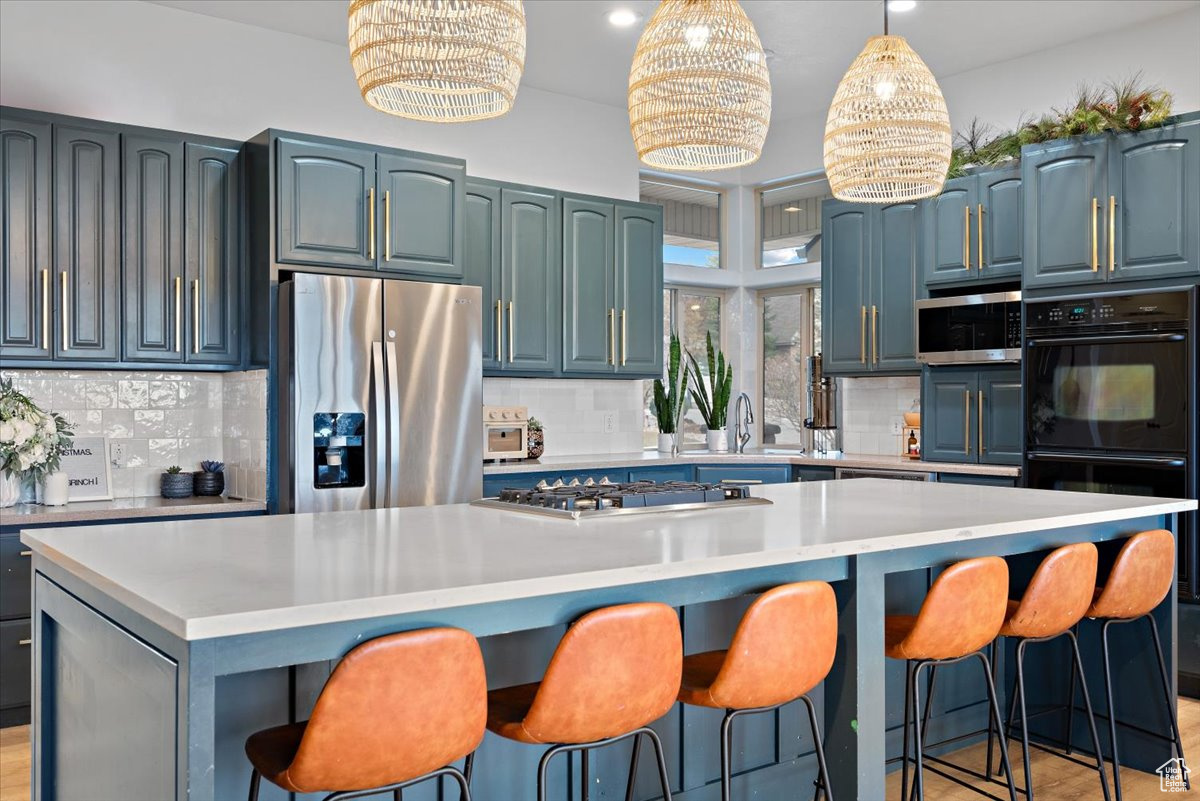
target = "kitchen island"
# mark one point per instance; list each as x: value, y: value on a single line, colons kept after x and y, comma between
x: 191, y: 632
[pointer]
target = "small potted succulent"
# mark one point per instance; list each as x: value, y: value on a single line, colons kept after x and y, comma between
x: 670, y: 398
x: 176, y: 483
x: 209, y: 479
x: 537, y: 438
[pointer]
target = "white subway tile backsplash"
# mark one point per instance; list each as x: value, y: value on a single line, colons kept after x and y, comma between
x: 572, y: 411
x: 870, y: 409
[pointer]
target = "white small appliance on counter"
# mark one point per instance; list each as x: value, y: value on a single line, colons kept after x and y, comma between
x: 505, y: 433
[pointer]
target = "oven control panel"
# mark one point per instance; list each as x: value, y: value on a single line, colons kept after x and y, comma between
x: 1151, y: 307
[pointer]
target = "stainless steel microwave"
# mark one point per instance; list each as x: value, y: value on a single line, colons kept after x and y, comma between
x: 967, y: 329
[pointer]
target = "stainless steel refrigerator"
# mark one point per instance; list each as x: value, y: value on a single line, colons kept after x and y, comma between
x: 380, y: 390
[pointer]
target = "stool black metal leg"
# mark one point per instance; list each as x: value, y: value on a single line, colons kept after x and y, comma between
x: 1071, y: 699
x: 633, y: 766
x: 662, y: 762
x: 469, y: 767
x: 585, y: 785
x: 398, y: 794
x: 928, y: 707
x: 464, y: 781
x: 1024, y: 719
x: 543, y: 763
x: 822, y: 771
x: 908, y: 671
x: 1112, y: 712
x: 255, y: 779
x: 1006, y: 733
x: 994, y: 713
x: 992, y: 732
x: 918, y: 773
x: 1166, y: 685
x: 1091, y: 716
x: 726, y: 761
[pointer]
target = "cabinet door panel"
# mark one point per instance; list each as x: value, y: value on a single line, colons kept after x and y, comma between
x: 640, y: 290
x: 894, y: 276
x: 153, y: 225
x: 86, y: 230
x: 481, y: 263
x: 323, y: 209
x: 949, y: 225
x: 422, y: 215
x: 846, y: 255
x: 26, y: 273
x: 1155, y: 179
x: 1064, y: 236
x: 948, y: 401
x: 1002, y: 229
x: 532, y: 277
x: 214, y: 285
x: 589, y: 286
x: 1001, y: 435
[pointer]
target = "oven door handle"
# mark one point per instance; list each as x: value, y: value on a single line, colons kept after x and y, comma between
x: 1091, y: 458
x: 1105, y: 339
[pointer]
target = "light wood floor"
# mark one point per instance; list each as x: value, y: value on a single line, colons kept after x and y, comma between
x: 1054, y: 779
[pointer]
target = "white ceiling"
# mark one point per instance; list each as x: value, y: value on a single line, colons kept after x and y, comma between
x: 572, y: 49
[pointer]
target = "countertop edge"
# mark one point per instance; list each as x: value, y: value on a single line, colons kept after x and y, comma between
x: 66, y: 515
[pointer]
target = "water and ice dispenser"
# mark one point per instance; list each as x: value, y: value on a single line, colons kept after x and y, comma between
x: 339, y: 449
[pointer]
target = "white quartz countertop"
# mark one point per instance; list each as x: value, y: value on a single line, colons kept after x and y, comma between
x: 752, y: 455
x: 203, y: 579
x: 30, y: 514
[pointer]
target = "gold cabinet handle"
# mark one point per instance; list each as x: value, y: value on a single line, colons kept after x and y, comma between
x: 967, y: 237
x: 1095, y: 235
x: 24, y: 642
x: 387, y: 224
x: 979, y: 416
x: 967, y: 422
x: 1112, y: 233
x: 874, y: 337
x: 612, y: 336
x: 195, y: 315
x: 371, y: 223
x: 66, y: 316
x: 979, y: 236
x: 499, y: 333
x: 624, y: 339
x: 25, y: 553
x: 45, y: 309
x: 178, y: 313
x: 862, y: 336
x: 511, y: 315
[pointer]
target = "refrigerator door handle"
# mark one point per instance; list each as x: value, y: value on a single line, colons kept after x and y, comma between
x: 379, y: 422
x: 393, y: 423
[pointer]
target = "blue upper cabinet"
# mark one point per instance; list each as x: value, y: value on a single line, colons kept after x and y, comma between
x: 1154, y: 204
x: 531, y: 278
x: 894, y: 273
x: 589, y: 287
x: 212, y: 216
x: 26, y: 271
x: 422, y: 214
x: 1065, y: 188
x: 326, y: 205
x: 639, y: 298
x: 949, y: 227
x: 845, y: 260
x: 999, y: 225
x: 481, y: 263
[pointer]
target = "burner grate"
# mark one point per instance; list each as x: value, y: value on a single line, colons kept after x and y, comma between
x: 591, y: 498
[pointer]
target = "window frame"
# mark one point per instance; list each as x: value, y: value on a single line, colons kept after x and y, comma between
x: 759, y: 191
x: 698, y: 186
x: 806, y: 289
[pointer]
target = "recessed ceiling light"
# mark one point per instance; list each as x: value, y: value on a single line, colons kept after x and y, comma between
x: 792, y: 208
x: 901, y: 6
x: 623, y: 17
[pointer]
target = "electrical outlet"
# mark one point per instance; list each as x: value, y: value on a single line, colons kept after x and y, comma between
x: 118, y: 452
x: 610, y: 422
x: 896, y: 427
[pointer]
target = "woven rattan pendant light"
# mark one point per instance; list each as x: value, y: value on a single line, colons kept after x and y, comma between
x: 438, y: 60
x: 887, y: 136
x: 699, y: 90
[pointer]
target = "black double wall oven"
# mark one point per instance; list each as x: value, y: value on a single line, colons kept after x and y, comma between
x: 1110, y: 402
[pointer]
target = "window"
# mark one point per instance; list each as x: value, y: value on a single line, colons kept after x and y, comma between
x: 790, y: 334
x: 790, y: 222
x: 691, y: 222
x: 692, y: 313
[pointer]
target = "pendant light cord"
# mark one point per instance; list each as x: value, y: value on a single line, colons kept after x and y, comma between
x: 885, y: 18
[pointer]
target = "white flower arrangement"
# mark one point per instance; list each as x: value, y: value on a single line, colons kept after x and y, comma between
x: 32, y: 441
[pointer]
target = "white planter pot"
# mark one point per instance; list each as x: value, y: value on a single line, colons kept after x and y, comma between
x: 718, y: 440
x: 666, y: 443
x: 10, y: 489
x: 55, y: 489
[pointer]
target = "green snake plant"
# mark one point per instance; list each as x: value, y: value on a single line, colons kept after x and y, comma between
x: 712, y: 399
x: 669, y: 400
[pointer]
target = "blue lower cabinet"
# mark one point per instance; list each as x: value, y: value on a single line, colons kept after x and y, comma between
x: 494, y: 483
x: 617, y: 475
x: 984, y: 481
x: 802, y: 473
x: 755, y: 474
x: 675, y: 472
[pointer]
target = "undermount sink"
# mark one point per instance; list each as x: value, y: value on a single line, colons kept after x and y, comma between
x: 751, y: 454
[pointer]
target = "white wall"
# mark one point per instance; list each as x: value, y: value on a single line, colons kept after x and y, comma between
x: 145, y: 64
x: 1165, y: 50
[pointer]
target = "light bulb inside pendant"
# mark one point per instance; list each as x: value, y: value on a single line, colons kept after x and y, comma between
x: 697, y: 35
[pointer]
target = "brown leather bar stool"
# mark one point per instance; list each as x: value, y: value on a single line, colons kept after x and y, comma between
x: 783, y: 647
x: 1057, y: 597
x: 616, y: 670
x: 1140, y: 579
x: 396, y: 711
x: 961, y: 614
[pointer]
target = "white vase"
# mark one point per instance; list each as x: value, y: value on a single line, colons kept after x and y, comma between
x: 718, y: 440
x: 55, y: 489
x: 10, y: 489
x: 666, y: 443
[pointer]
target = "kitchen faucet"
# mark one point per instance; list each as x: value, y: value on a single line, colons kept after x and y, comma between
x: 741, y: 423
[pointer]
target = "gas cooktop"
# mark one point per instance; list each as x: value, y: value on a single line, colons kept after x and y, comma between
x: 606, y: 498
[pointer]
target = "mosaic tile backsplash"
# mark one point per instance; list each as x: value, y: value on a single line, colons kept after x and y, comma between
x: 163, y: 419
